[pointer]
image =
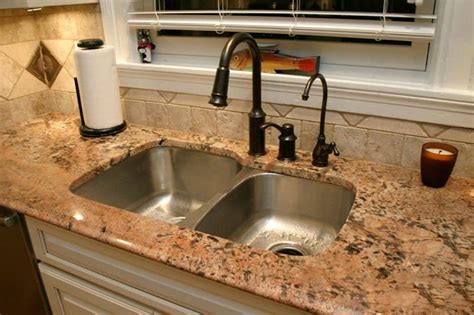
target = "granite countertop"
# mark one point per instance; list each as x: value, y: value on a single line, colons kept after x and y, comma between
x: 405, y: 247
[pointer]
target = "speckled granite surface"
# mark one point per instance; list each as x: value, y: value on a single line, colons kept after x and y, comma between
x: 405, y: 247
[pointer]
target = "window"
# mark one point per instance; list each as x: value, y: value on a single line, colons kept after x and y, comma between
x: 366, y: 33
x: 426, y: 79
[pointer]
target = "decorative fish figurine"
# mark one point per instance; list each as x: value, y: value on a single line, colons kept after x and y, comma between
x: 273, y: 62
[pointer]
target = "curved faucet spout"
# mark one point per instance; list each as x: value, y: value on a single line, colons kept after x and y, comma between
x: 321, y: 150
x: 221, y: 86
x: 305, y: 97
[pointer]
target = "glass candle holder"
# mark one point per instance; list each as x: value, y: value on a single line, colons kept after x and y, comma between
x: 437, y: 163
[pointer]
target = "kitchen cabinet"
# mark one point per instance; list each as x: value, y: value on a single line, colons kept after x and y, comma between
x: 85, y: 276
x: 16, y: 4
x: 71, y: 295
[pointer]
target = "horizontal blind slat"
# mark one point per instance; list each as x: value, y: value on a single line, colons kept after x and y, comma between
x: 290, y: 13
x: 403, y: 31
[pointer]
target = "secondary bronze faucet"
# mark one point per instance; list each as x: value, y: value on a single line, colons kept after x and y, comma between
x: 221, y: 85
x: 322, y: 149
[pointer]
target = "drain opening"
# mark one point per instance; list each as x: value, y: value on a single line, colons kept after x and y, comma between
x: 287, y: 249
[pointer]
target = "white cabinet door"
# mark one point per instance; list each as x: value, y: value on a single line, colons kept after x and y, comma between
x: 69, y: 295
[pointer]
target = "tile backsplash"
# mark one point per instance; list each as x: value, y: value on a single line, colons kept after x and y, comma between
x: 37, y: 66
x: 384, y: 140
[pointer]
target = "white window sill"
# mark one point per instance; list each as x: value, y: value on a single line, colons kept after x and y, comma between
x: 372, y: 94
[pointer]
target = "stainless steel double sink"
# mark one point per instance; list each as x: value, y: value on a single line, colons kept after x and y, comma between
x: 218, y: 196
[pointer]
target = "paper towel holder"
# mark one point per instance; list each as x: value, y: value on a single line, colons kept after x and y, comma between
x: 94, y: 133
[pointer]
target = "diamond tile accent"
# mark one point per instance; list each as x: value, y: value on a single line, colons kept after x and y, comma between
x: 44, y: 65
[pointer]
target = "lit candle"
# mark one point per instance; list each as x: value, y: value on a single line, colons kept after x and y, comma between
x: 439, y: 151
x: 437, y: 163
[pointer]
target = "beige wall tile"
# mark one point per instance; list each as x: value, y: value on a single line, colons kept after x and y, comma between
x: 98, y: 20
x: 135, y: 112
x: 168, y: 96
x: 75, y: 104
x: 282, y: 109
x: 18, y: 29
x: 392, y: 125
x: 70, y: 22
x: 432, y: 130
x: 310, y: 132
x: 5, y: 116
x: 70, y: 65
x: 240, y: 106
x: 26, y: 85
x: 384, y: 147
x: 204, y: 121
x: 63, y: 103
x: 246, y: 106
x: 230, y: 124
x: 144, y: 95
x: 59, y: 25
x: 157, y: 115
x: 59, y: 48
x: 191, y: 100
x: 353, y: 119
x: 179, y: 117
x: 350, y: 141
x: 314, y: 115
x: 458, y: 134
x: 9, y: 75
x: 465, y: 161
x: 30, y: 107
x: 21, y: 52
x: 87, y: 24
x: 64, y: 82
x: 412, y: 151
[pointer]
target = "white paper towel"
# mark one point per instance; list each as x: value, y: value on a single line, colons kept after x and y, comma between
x: 99, y: 87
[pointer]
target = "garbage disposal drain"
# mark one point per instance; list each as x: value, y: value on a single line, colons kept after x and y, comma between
x: 288, y: 249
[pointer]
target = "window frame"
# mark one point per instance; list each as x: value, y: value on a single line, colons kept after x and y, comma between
x: 442, y: 94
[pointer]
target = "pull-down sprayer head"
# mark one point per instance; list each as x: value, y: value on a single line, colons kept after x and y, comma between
x: 221, y: 85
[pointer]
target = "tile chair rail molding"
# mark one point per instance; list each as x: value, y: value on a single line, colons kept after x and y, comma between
x: 361, y: 137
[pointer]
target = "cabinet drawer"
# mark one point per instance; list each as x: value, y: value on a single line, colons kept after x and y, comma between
x: 70, y: 295
x: 78, y: 255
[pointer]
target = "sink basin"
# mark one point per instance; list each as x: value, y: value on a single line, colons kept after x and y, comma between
x: 163, y: 182
x: 216, y: 195
x: 285, y: 214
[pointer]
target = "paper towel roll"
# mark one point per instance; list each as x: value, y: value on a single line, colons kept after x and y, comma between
x: 99, y: 87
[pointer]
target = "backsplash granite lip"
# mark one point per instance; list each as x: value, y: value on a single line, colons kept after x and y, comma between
x: 398, y: 235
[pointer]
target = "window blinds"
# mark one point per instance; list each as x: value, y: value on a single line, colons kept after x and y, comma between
x: 368, y: 25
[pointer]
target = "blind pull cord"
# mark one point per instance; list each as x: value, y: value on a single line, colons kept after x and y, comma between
x: 157, y: 14
x: 220, y: 27
x: 379, y: 34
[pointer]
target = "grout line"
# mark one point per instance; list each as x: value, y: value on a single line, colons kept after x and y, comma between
x: 344, y: 118
x: 403, y: 151
x: 15, y: 84
x: 362, y: 120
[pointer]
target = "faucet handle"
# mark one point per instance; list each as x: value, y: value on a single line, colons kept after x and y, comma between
x: 286, y: 151
x: 333, y: 149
